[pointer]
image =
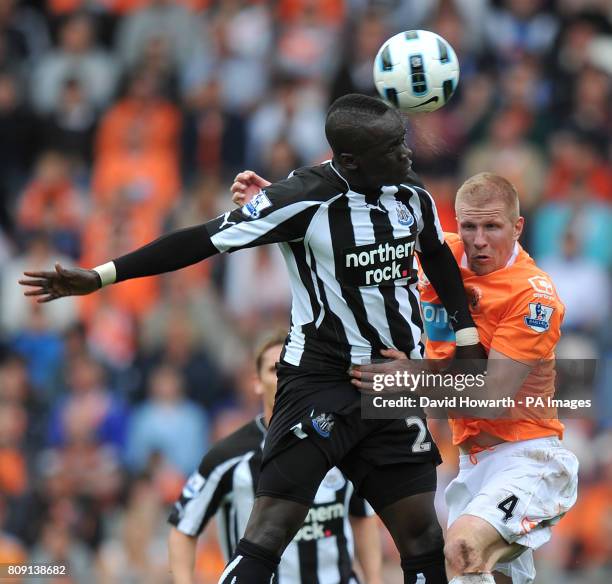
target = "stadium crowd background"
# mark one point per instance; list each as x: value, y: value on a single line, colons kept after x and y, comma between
x: 121, y: 119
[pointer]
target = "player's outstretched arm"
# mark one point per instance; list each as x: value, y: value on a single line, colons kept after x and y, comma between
x: 368, y: 548
x: 170, y: 252
x: 182, y: 554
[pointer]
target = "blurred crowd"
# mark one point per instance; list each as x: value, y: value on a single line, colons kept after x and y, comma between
x: 122, y: 119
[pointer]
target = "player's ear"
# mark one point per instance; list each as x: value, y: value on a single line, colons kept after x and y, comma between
x: 518, y: 228
x: 348, y: 161
x: 257, y: 385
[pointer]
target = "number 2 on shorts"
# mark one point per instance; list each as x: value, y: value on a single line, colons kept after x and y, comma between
x: 419, y: 444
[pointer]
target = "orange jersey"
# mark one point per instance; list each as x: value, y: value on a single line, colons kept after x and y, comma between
x: 518, y: 313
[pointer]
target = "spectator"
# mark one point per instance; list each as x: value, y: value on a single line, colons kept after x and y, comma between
x: 507, y: 152
x: 115, y: 227
x: 307, y: 41
x: 262, y: 268
x: 71, y: 126
x: 578, y: 161
x: 23, y: 33
x: 591, y: 219
x: 518, y: 27
x: 136, y: 552
x: 57, y: 545
x: 569, y: 270
x: 167, y: 423
x: 13, y: 464
x: 15, y: 309
x: 179, y: 347
x: 137, y: 148
x: 592, y: 93
x: 163, y: 19
x: 11, y: 549
x: 76, y: 57
x: 363, y: 39
x: 89, y: 407
x: 52, y: 203
x: 293, y: 113
x: 18, y: 144
x: 41, y: 347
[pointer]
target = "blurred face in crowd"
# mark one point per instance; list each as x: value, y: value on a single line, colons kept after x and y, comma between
x: 166, y: 385
x: 266, y: 375
x: 77, y: 35
x: 8, y: 93
x: 488, y: 224
x: 85, y: 374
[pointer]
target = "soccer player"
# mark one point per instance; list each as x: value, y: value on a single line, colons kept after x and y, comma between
x: 348, y: 229
x: 224, y: 486
x: 515, y: 479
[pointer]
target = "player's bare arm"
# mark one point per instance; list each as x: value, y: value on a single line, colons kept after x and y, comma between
x: 368, y: 548
x: 182, y: 553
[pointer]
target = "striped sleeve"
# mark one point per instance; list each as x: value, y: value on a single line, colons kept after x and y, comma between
x: 202, y: 494
x: 278, y: 213
x: 430, y: 236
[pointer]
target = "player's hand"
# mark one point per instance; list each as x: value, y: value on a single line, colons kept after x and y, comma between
x: 363, y: 375
x: 246, y: 185
x: 62, y: 282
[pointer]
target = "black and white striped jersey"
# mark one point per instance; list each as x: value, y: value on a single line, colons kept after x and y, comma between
x: 224, y: 487
x: 351, y: 263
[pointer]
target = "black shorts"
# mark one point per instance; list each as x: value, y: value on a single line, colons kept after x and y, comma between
x: 325, y: 409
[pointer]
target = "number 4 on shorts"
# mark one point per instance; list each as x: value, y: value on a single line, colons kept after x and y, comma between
x: 507, y: 506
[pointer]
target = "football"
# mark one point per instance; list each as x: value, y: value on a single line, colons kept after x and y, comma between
x: 416, y: 71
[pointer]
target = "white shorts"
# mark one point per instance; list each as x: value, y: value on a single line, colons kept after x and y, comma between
x: 521, y: 489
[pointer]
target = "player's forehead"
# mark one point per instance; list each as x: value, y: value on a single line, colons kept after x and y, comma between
x: 482, y: 211
x: 379, y: 130
x: 271, y: 354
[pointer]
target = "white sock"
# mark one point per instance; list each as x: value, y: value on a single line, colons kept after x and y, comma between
x: 482, y: 578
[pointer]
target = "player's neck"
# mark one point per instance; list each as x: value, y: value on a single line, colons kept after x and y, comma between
x: 355, y: 180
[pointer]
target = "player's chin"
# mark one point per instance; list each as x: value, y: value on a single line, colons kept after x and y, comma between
x: 405, y: 171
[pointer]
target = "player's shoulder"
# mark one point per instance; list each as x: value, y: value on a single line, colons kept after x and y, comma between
x: 317, y: 183
x: 231, y: 449
x: 528, y: 279
x: 532, y: 287
x: 454, y: 242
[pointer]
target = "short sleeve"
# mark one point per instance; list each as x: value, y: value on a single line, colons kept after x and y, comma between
x: 531, y: 326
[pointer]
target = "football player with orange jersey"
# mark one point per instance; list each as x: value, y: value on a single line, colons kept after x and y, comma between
x: 515, y: 478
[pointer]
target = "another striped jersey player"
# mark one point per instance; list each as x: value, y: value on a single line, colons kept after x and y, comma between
x: 351, y: 262
x: 322, y: 552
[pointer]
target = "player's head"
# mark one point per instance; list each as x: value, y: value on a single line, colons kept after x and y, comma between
x: 488, y: 220
x: 367, y: 137
x: 266, y: 355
